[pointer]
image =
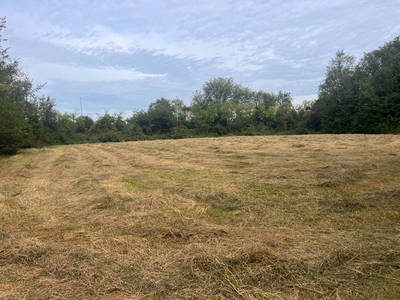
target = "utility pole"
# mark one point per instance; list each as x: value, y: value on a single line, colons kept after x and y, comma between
x: 81, y: 105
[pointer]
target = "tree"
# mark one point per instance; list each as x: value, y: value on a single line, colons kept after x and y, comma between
x: 379, y: 71
x: 285, y: 117
x: 338, y: 71
x: 221, y: 89
x: 84, y: 123
x: 47, y: 112
x: 14, y: 89
x: 263, y: 98
x: 178, y: 108
x: 284, y: 97
x: 140, y: 119
x: 19, y: 87
x: 14, y: 130
x: 66, y: 128
x: 261, y: 102
x: 337, y: 99
x: 108, y: 128
x: 162, y: 115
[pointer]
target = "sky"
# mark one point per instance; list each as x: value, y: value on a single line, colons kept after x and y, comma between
x: 123, y: 55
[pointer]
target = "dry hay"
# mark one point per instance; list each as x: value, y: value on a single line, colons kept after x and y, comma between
x: 277, y: 217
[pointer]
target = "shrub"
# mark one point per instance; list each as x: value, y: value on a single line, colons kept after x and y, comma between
x: 38, y: 144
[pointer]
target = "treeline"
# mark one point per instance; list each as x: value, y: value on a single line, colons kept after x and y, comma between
x: 353, y: 98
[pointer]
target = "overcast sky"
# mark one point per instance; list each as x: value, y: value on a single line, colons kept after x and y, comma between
x: 122, y: 55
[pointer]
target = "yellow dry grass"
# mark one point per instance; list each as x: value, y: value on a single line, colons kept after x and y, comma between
x: 277, y: 217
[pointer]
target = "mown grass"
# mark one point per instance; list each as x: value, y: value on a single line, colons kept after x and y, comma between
x: 279, y: 217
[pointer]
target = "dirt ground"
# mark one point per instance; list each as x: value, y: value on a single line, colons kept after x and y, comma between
x: 274, y: 217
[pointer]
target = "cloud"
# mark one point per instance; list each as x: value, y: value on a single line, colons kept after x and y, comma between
x: 241, y: 37
x: 227, y: 51
x: 276, y: 84
x: 393, y: 32
x: 48, y: 71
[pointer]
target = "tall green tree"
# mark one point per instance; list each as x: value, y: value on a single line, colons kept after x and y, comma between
x: 337, y: 101
x: 379, y: 71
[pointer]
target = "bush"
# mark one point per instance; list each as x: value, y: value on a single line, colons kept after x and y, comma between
x: 181, y: 132
x: 9, y: 150
x: 14, y: 130
x: 38, y: 144
x: 111, y: 136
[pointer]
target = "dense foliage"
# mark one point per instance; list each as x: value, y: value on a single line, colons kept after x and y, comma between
x: 353, y: 98
x: 363, y: 97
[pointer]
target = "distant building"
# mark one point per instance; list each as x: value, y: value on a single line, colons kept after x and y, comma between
x: 188, y: 113
x: 308, y: 109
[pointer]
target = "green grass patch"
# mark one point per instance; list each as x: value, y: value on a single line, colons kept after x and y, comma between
x: 132, y: 183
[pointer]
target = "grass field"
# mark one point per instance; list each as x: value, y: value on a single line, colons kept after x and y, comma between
x: 277, y: 217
